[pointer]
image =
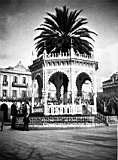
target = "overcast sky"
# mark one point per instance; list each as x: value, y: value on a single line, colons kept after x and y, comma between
x: 18, y: 18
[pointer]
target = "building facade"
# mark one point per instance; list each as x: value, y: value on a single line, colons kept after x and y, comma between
x: 15, y: 86
x: 110, y: 86
x: 60, y: 78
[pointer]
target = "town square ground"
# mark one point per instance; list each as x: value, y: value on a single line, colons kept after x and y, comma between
x: 98, y: 143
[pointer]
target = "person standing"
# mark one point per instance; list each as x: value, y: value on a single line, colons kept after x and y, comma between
x: 26, y: 122
x: 13, y: 115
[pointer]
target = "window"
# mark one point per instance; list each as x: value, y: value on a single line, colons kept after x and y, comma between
x: 5, y: 82
x: 15, y: 79
x: 24, y: 94
x: 4, y: 93
x: 67, y: 110
x: 24, y: 80
x: 50, y: 110
x: 4, y: 78
x: 14, y: 93
x: 34, y: 85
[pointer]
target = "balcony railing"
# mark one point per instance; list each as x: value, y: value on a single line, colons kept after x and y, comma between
x: 68, y: 55
x: 14, y: 84
x: 12, y: 99
x: 5, y: 83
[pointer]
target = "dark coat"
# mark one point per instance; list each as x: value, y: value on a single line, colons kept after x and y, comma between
x: 26, y: 119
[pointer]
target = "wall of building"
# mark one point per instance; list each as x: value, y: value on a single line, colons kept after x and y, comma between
x: 110, y: 87
x: 18, y: 88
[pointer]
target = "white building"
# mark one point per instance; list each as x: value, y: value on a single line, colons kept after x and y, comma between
x: 15, y: 86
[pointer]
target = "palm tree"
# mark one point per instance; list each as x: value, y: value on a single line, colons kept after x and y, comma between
x: 60, y: 29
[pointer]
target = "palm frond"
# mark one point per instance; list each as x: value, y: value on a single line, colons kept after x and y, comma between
x: 58, y: 30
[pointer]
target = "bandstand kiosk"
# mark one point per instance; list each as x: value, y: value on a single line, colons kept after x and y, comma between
x: 65, y: 73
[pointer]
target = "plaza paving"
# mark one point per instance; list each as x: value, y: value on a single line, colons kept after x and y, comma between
x: 98, y: 143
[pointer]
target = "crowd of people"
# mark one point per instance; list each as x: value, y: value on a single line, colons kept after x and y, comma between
x: 24, y: 110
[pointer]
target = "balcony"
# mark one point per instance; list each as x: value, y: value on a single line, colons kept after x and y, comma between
x: 14, y: 84
x: 14, y: 99
x: 67, y: 55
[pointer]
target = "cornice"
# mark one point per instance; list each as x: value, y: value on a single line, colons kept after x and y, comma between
x: 38, y: 63
x: 5, y: 71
